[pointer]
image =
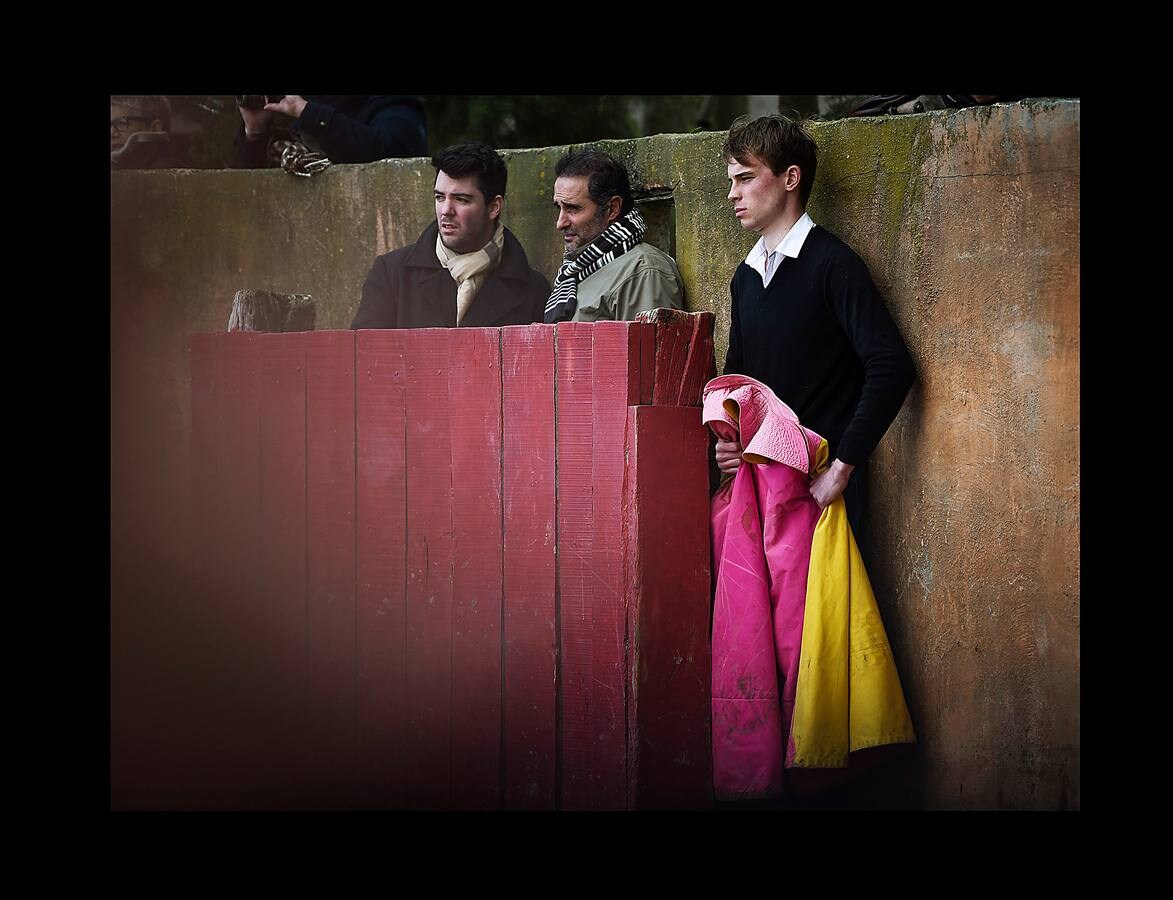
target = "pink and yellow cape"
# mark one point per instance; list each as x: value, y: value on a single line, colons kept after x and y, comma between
x: 802, y: 671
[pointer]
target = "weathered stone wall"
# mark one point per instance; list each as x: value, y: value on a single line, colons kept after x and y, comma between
x: 969, y: 223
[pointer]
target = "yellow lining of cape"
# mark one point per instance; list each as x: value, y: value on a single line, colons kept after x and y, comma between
x: 848, y: 695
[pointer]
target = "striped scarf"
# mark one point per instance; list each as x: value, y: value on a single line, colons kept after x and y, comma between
x: 619, y: 237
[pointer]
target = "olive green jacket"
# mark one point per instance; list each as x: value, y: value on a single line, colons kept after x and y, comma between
x: 643, y: 278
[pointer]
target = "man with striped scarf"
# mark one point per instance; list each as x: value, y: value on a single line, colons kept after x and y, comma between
x: 609, y: 271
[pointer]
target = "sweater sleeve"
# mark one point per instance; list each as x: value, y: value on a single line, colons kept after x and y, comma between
x: 379, y: 307
x: 394, y: 131
x: 888, y: 368
x: 733, y: 360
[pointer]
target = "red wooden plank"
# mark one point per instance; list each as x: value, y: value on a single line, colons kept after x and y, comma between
x: 226, y: 530
x: 667, y: 538
x: 684, y: 355
x: 237, y: 672
x: 205, y: 435
x: 210, y: 591
x: 699, y: 366
x: 616, y: 384
x: 381, y: 564
x: 474, y: 399
x: 330, y: 510
x: 281, y: 644
x: 576, y: 582
x: 429, y: 570
x: 242, y: 422
x: 207, y: 564
x: 647, y: 354
x: 531, y: 645
x: 671, y: 353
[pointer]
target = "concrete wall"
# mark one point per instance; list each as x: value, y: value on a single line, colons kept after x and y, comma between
x: 969, y: 223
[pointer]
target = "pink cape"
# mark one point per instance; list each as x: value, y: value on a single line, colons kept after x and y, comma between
x: 762, y: 521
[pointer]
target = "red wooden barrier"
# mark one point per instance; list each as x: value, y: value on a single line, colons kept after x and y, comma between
x: 616, y: 367
x: 459, y: 568
x: 429, y: 571
x: 381, y: 573
x: 474, y: 408
x: 281, y: 600
x: 667, y: 581
x: 530, y: 650
x: 574, y: 410
x: 331, y: 654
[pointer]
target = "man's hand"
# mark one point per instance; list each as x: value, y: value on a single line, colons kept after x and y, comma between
x: 290, y: 104
x: 830, y: 484
x: 728, y: 456
x: 257, y: 121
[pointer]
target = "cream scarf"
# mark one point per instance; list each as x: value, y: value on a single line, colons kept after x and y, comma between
x: 469, y: 270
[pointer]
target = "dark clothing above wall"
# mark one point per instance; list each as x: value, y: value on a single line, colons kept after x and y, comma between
x: 408, y: 288
x: 822, y: 339
x: 902, y: 104
x: 148, y: 150
x: 348, y: 129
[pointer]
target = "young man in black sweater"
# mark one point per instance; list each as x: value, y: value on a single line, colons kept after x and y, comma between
x: 806, y: 318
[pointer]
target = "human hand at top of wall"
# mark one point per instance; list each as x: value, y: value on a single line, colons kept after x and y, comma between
x: 290, y: 104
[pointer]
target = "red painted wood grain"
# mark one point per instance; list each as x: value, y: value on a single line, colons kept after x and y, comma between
x: 428, y: 731
x: 616, y: 382
x: 237, y: 671
x: 474, y: 402
x: 205, y: 451
x: 574, y: 374
x: 381, y: 566
x: 280, y: 643
x: 683, y: 354
x: 667, y: 586
x: 531, y: 640
x: 699, y: 366
x: 647, y: 355
x: 331, y: 613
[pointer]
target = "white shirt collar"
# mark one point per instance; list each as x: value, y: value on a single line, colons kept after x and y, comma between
x: 790, y: 245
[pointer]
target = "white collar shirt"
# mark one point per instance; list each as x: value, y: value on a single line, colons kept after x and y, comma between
x: 766, y: 264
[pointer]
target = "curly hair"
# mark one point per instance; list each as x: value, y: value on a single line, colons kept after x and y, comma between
x: 478, y: 159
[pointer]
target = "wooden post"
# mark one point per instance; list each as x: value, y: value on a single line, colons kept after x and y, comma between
x: 269, y: 311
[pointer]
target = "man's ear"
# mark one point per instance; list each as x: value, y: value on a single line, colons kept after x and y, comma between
x: 793, y: 178
x: 614, y: 206
x: 495, y: 207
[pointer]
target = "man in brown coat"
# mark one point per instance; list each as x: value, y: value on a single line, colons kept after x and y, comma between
x: 466, y: 270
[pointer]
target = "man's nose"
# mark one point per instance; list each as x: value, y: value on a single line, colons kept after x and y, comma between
x: 732, y: 195
x: 563, y: 220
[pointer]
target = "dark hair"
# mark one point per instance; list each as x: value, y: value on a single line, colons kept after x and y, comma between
x: 607, y: 177
x: 777, y: 141
x: 461, y: 160
x: 150, y: 107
